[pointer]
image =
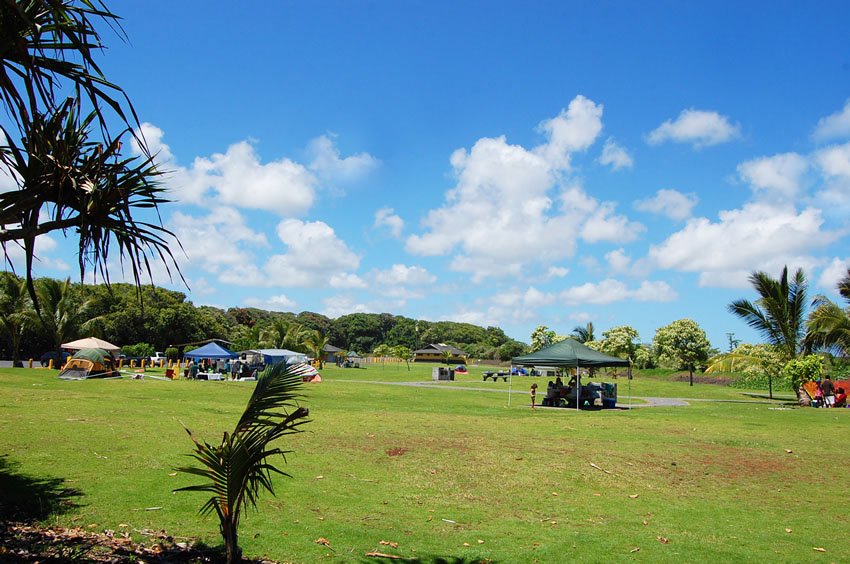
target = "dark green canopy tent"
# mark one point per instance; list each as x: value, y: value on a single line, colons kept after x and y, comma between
x: 569, y: 353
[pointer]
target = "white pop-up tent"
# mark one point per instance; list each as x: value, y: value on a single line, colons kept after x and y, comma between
x: 90, y: 343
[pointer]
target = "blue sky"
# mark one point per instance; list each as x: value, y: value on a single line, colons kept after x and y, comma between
x: 501, y: 163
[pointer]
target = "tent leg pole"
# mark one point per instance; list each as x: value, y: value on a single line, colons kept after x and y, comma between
x: 510, y: 385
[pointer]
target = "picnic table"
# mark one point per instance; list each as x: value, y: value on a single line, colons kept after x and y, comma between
x: 495, y: 375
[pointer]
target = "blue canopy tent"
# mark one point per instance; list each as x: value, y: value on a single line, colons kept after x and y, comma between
x: 210, y: 350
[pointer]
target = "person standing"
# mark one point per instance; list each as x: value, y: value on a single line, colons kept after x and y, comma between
x: 533, y: 394
x: 828, y: 390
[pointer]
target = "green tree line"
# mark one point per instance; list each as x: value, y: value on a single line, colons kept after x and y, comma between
x: 128, y: 316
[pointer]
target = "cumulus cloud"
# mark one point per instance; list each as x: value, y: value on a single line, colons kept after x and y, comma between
x: 618, y: 261
x: 574, y: 129
x: 669, y: 203
x: 218, y: 241
x: 509, y: 199
x: 336, y: 306
x: 833, y: 273
x: 834, y: 161
x: 609, y: 291
x: 556, y: 272
x: 834, y: 126
x: 329, y: 165
x: 315, y: 257
x: 386, y: 217
x: 273, y: 303
x: 779, y: 176
x: 615, y: 156
x: 153, y: 138
x: 698, y: 127
x: 239, y: 179
x: 754, y: 237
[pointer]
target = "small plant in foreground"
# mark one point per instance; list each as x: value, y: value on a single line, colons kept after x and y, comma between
x: 239, y: 468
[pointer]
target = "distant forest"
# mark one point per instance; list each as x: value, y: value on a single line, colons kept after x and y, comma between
x: 162, y: 318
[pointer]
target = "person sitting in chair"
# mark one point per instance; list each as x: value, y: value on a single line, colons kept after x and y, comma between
x: 840, y: 398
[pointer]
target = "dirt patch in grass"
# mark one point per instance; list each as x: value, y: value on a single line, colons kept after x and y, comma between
x: 397, y: 451
x: 735, y: 463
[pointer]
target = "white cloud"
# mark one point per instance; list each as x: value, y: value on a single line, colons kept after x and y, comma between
x: 698, y: 127
x: 327, y: 163
x: 779, y: 176
x: 833, y: 273
x: 402, y: 282
x: 238, y: 178
x: 618, y: 261
x: 218, y: 242
x: 834, y: 161
x: 669, y: 203
x: 834, y: 126
x: 604, y: 225
x: 574, y: 129
x: 346, y: 280
x: 44, y: 247
x: 755, y: 237
x: 386, y: 217
x: 556, y: 272
x: 501, y: 209
x: 315, y: 257
x: 274, y: 303
x: 615, y: 156
x: 152, y: 136
x: 609, y: 291
x: 336, y: 306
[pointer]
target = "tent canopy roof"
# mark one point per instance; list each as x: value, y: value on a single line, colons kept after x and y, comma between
x: 93, y: 355
x: 90, y: 343
x: 210, y: 350
x: 277, y: 355
x: 569, y: 353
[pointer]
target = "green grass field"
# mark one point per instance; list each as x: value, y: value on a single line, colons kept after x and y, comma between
x: 446, y: 472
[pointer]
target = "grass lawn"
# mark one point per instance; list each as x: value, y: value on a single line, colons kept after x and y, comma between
x: 447, y: 472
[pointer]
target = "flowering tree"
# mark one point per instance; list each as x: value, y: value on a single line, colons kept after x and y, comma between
x: 682, y: 342
x: 620, y: 341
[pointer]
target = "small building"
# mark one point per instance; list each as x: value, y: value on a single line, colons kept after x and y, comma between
x: 434, y: 353
x: 332, y: 354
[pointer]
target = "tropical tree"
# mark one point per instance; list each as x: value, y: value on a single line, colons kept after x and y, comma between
x: 682, y: 342
x: 754, y: 362
x: 779, y: 313
x: 828, y: 326
x: 66, y: 179
x: 584, y: 334
x: 316, y: 343
x: 62, y: 315
x: 404, y: 353
x: 284, y: 334
x: 240, y: 467
x: 382, y: 351
x: 16, y: 313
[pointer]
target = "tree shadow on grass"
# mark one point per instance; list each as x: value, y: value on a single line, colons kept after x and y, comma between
x: 27, y: 499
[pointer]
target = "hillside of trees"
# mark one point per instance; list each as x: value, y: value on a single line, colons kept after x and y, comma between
x: 164, y: 318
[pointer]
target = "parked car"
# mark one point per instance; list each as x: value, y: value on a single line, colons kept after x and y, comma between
x: 157, y: 357
x: 51, y: 355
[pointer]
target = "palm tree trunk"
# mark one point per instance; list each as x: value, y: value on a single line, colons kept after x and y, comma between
x: 231, y: 541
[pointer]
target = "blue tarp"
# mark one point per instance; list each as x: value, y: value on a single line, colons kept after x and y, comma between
x: 210, y: 350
